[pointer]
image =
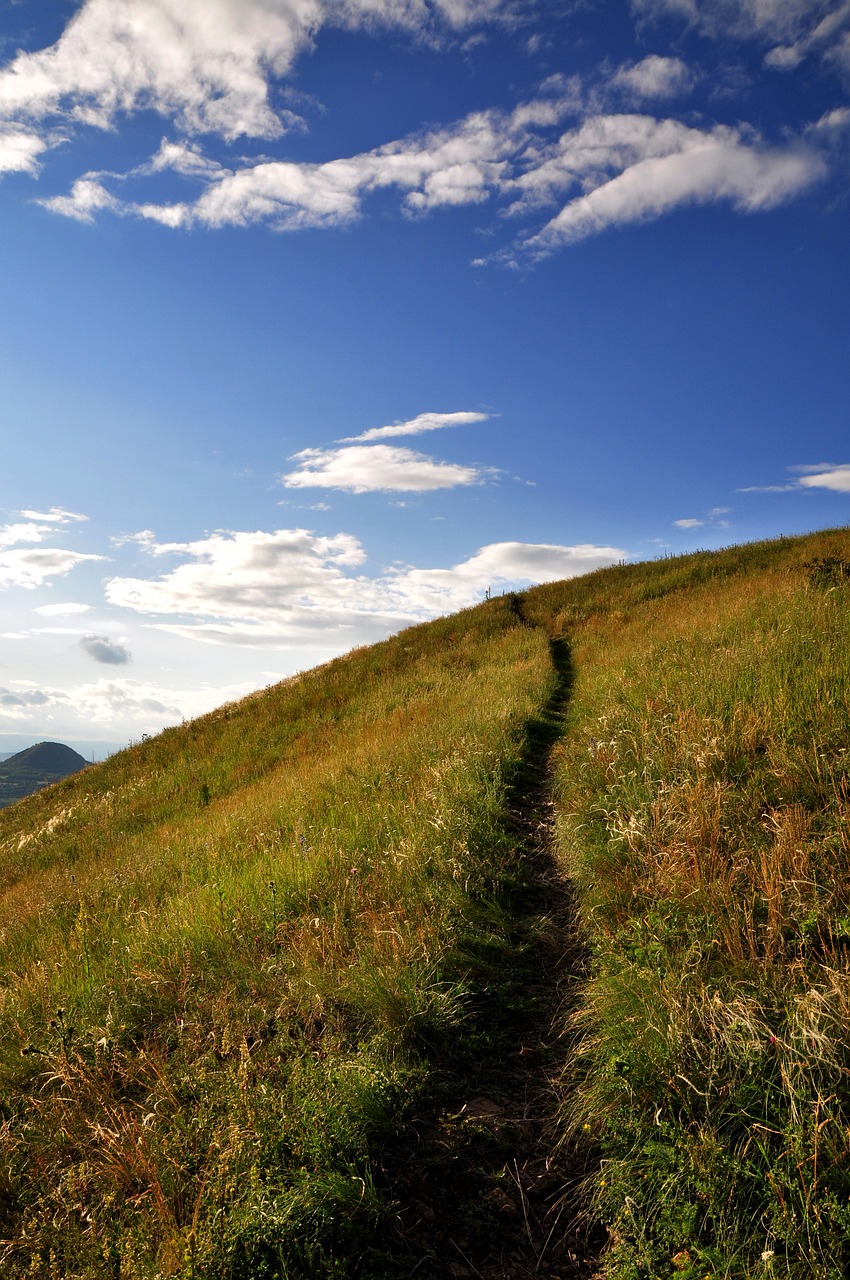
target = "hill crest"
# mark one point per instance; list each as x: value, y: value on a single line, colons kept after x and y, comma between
x: 46, y: 757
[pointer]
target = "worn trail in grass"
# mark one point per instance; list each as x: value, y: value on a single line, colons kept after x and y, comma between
x: 287, y: 993
x: 237, y: 955
x: 484, y: 1186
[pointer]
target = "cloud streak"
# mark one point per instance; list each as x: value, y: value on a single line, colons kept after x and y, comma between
x: 628, y: 168
x: 818, y: 475
x: 417, y: 426
x: 639, y: 168
x: 835, y: 478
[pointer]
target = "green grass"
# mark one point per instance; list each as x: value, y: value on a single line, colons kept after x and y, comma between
x: 231, y: 952
x: 705, y: 797
x: 237, y: 955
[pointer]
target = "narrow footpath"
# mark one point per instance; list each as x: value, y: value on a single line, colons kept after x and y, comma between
x: 485, y: 1186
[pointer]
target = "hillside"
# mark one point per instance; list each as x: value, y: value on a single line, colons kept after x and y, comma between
x: 272, y: 978
x: 36, y: 767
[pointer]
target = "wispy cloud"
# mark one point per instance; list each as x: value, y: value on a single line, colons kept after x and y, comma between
x: 771, y: 20
x: 378, y: 468
x: 794, y: 28
x: 836, y: 478
x: 56, y: 515
x: 638, y: 168
x: 31, y: 568
x: 653, y: 77
x: 416, y: 426
x: 810, y: 475
x: 713, y: 519
x: 611, y: 169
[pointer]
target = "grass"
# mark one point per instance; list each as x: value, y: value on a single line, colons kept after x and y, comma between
x: 705, y: 795
x: 231, y: 952
x: 237, y: 956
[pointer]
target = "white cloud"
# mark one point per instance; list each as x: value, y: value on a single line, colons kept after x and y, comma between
x: 627, y: 168
x: 88, y: 197
x: 829, y: 37
x: 639, y: 168
x: 206, y: 64
x: 283, y: 588
x: 19, y: 149
x: 653, y: 77
x: 688, y: 524
x: 810, y: 475
x: 836, y: 478
x: 12, y: 534
x: 35, y: 526
x: 208, y: 67
x: 244, y: 575
x: 416, y: 426
x: 459, y: 165
x: 378, y: 468
x: 61, y: 610
x: 32, y: 567
x: 500, y: 565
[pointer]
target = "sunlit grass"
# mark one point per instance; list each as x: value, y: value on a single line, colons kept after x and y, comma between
x: 226, y: 958
x: 705, y: 788
x: 234, y: 953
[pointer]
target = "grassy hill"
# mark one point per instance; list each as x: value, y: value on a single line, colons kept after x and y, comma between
x: 30, y: 770
x: 239, y: 956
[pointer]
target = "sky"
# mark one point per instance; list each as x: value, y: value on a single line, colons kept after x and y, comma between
x: 319, y: 318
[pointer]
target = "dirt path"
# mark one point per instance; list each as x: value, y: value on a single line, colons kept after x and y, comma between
x: 483, y: 1186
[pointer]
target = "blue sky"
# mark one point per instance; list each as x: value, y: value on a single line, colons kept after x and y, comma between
x: 321, y: 317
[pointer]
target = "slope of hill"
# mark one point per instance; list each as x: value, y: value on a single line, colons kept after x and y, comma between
x: 704, y: 789
x: 242, y: 958
x: 36, y: 767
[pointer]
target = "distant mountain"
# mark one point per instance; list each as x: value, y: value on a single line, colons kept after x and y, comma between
x: 36, y: 767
